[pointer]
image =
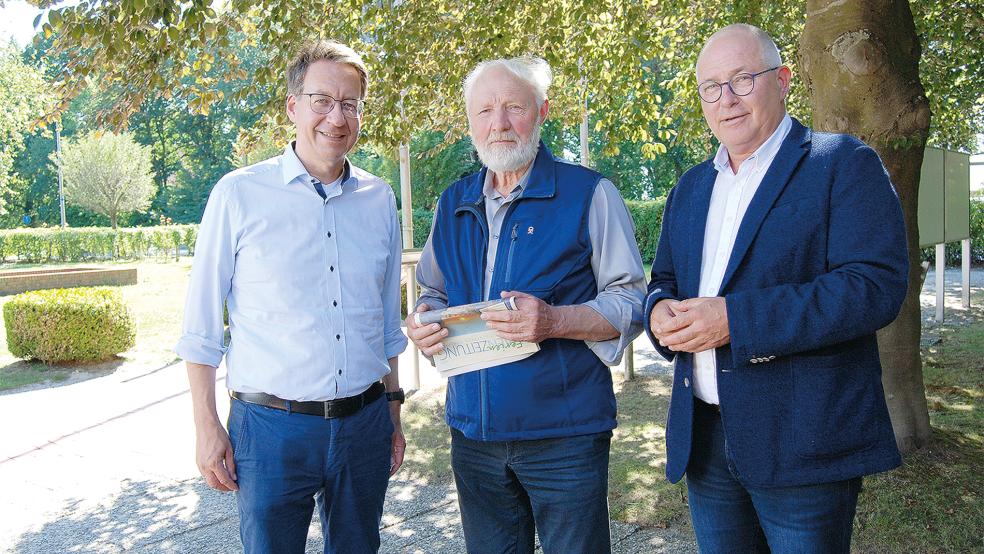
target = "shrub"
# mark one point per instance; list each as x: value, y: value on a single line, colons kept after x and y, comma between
x: 82, y: 244
x: 62, y: 325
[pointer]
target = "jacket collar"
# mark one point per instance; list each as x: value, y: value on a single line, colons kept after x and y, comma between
x: 792, y: 150
x: 542, y: 182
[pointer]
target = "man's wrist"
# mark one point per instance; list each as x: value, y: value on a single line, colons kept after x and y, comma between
x: 396, y: 396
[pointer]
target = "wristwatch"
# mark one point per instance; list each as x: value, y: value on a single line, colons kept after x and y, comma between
x: 396, y: 396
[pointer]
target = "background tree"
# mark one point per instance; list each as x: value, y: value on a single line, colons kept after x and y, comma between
x: 108, y: 174
x: 625, y: 64
x: 862, y: 67
x: 22, y: 98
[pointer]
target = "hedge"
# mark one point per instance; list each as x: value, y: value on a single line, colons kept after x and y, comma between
x: 65, y: 325
x: 85, y: 244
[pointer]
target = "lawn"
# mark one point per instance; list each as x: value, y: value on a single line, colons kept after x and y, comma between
x: 932, y: 504
x: 157, y: 302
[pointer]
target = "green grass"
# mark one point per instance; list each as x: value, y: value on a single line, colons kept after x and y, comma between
x: 935, y: 501
x: 157, y: 303
x: 638, y: 490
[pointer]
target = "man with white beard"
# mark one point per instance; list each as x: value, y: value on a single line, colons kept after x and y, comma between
x: 530, y: 439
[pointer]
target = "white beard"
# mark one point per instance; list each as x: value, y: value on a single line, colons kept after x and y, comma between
x: 501, y: 158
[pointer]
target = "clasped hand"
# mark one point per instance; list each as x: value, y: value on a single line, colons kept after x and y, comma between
x: 691, y: 325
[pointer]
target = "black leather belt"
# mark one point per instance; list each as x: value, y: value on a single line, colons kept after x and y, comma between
x: 327, y: 409
x: 698, y: 403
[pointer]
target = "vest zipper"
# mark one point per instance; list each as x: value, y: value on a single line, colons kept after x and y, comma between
x: 509, y: 259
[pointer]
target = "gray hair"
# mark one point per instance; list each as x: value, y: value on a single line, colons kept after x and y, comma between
x: 327, y: 50
x: 535, y: 72
x: 767, y: 46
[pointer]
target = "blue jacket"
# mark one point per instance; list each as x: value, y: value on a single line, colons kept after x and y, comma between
x: 564, y: 389
x: 819, y: 264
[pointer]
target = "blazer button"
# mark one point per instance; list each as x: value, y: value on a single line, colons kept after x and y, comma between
x: 686, y: 381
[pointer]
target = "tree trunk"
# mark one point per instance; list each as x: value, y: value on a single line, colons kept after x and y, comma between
x: 861, y: 65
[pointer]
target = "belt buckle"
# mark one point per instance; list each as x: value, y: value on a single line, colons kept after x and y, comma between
x: 328, y: 411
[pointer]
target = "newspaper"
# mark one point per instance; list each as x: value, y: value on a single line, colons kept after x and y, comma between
x: 471, y: 345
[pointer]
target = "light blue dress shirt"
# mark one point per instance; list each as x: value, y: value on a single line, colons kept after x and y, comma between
x: 312, y: 285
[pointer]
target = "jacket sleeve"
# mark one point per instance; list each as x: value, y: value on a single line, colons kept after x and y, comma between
x: 865, y: 280
x: 663, y: 277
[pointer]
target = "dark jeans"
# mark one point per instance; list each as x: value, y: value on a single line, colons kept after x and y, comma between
x: 731, y: 517
x: 559, y: 486
x: 285, y: 460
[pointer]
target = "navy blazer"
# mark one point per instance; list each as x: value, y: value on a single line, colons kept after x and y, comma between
x: 819, y: 264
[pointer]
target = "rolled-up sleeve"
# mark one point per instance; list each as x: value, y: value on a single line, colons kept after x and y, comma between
x: 618, y: 271
x: 394, y: 341
x: 203, y: 331
x: 429, y: 276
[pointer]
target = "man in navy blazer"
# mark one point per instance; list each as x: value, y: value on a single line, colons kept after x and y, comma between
x: 778, y: 260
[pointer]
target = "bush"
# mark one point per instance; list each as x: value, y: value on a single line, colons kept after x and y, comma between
x: 62, y: 325
x: 84, y: 244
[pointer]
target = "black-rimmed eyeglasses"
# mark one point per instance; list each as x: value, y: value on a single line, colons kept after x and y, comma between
x: 324, y: 104
x: 741, y: 84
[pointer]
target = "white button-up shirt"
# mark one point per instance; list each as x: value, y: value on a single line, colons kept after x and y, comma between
x: 312, y: 285
x: 729, y: 200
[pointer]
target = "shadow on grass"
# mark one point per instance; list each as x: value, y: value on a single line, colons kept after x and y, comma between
x: 23, y: 376
x: 638, y: 490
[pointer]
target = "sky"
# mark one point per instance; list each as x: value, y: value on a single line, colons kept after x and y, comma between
x: 16, y: 18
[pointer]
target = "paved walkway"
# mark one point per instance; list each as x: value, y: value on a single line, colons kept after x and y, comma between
x: 106, y: 465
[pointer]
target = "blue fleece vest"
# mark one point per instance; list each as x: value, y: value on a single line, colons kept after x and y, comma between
x: 544, y: 250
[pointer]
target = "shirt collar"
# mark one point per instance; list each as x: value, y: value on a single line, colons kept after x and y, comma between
x: 292, y: 168
x: 489, y: 191
x: 763, y: 154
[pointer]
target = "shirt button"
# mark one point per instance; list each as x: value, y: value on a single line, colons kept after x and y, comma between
x: 334, y: 302
x: 329, y: 234
x: 496, y: 237
x: 331, y: 268
x: 339, y: 372
x: 686, y: 382
x: 339, y: 337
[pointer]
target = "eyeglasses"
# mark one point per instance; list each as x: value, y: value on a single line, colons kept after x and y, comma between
x: 324, y: 104
x: 741, y: 84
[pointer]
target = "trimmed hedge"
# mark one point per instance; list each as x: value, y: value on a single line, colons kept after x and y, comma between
x: 64, y: 325
x: 85, y: 244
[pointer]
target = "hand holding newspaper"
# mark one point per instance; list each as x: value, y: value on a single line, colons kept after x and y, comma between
x: 471, y: 345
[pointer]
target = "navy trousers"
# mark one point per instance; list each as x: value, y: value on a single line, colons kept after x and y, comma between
x: 730, y: 517
x: 510, y: 490
x: 288, y: 462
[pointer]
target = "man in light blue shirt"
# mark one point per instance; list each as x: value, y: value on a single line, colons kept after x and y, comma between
x: 304, y: 248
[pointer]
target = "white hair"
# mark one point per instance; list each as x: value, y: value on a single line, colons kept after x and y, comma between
x: 767, y: 46
x: 535, y: 72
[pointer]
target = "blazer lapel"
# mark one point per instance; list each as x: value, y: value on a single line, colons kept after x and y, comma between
x: 787, y: 159
x: 700, y: 203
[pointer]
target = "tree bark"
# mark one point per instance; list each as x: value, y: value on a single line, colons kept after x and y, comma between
x: 861, y: 65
